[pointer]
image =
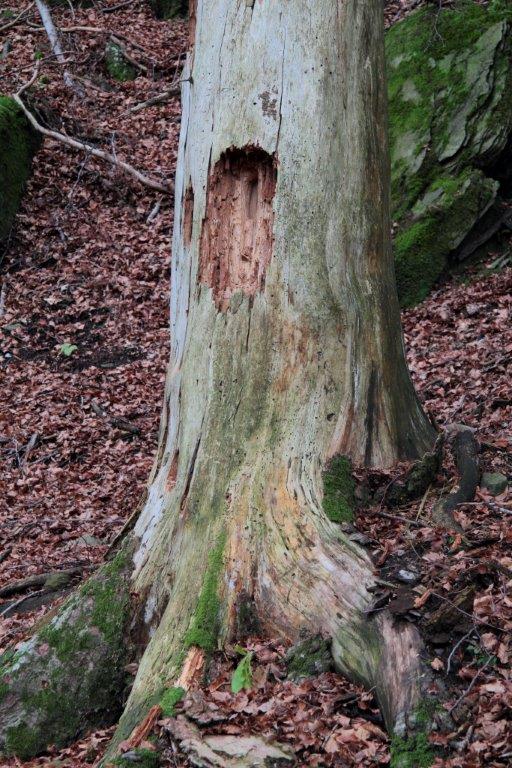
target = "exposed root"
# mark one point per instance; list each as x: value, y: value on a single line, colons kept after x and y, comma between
x: 466, y: 449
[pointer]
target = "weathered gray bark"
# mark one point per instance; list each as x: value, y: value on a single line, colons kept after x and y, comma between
x: 286, y: 351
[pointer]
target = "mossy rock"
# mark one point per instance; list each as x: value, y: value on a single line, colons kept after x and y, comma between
x: 117, y: 65
x: 450, y: 105
x: 169, y: 9
x: 18, y: 145
x: 69, y: 675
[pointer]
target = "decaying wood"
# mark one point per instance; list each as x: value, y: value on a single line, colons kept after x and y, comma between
x: 286, y: 353
x: 226, y: 751
x: 192, y: 668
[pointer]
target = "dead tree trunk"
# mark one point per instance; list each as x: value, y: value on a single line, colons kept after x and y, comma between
x: 286, y: 353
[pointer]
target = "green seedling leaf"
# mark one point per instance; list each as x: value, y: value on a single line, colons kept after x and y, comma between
x: 67, y: 349
x: 242, y: 676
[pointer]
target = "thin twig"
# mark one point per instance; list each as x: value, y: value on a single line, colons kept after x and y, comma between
x: 470, y: 687
x: 76, y: 144
x: 18, y: 18
x: 112, y: 8
x: 398, y: 517
x: 160, y: 98
x: 457, y: 645
x: 3, y: 294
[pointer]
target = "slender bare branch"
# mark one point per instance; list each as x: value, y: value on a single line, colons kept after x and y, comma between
x: 77, y: 144
x: 53, y: 37
x: 18, y: 18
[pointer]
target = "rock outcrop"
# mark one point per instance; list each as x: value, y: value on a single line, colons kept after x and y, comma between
x: 450, y: 99
x: 18, y: 144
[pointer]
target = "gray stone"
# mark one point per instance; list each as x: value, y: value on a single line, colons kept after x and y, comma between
x: 494, y: 482
x: 407, y: 577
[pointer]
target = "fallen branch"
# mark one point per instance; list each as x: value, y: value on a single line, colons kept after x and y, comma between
x: 53, y: 37
x: 117, y: 41
x: 76, y: 144
x: 40, y: 580
x: 158, y: 99
x: 18, y: 18
x: 112, y: 8
x: 116, y: 421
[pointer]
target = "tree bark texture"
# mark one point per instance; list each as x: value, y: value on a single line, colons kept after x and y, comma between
x: 286, y: 352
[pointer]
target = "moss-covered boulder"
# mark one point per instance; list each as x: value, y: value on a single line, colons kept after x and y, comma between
x: 18, y: 144
x: 450, y: 98
x: 117, y: 64
x: 69, y: 675
x: 169, y: 9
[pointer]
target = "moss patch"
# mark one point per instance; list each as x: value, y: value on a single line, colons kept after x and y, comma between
x: 169, y: 700
x: 339, y: 487
x: 18, y: 144
x: 69, y: 676
x: 23, y: 741
x: 169, y: 9
x: 117, y: 64
x: 204, y: 626
x: 414, y: 752
x: 450, y: 77
x: 141, y: 758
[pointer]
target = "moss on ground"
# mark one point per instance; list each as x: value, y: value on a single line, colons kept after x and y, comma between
x: 169, y: 9
x: 140, y: 758
x: 117, y: 64
x: 339, y: 489
x: 415, y: 751
x: 18, y: 144
x: 204, y: 626
x: 450, y: 107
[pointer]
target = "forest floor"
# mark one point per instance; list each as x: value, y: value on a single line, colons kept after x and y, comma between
x: 86, y: 272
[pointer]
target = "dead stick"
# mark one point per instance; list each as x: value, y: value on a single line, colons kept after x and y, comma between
x: 76, y: 144
x: 53, y: 37
x: 158, y: 99
x: 17, y: 19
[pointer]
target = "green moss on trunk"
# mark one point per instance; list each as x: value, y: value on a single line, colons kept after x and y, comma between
x: 339, y: 488
x: 204, y: 627
x: 18, y: 144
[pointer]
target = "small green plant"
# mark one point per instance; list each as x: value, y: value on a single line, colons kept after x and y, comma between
x: 67, y: 349
x: 38, y: 55
x: 242, y: 676
x: 481, y: 657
